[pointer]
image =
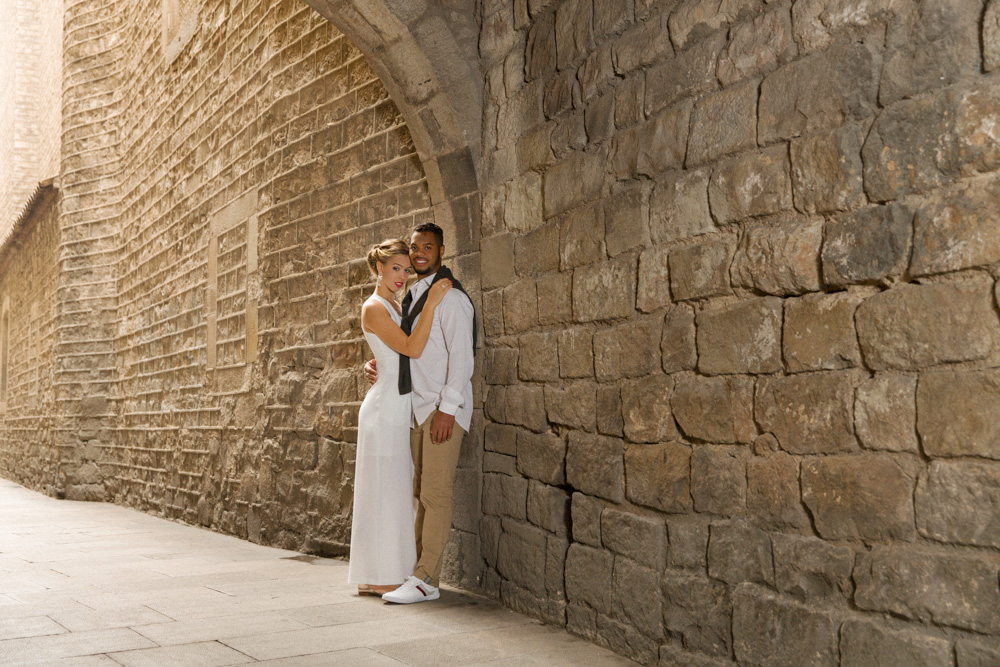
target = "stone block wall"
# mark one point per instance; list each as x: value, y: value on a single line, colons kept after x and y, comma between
x: 258, y: 165
x: 739, y: 263
x: 28, y: 410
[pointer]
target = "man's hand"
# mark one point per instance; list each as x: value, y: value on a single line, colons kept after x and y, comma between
x: 371, y: 373
x: 441, y: 427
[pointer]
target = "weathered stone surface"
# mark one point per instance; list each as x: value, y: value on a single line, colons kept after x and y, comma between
x: 701, y: 269
x: 751, y: 185
x: 501, y: 365
x: 827, y: 170
x: 646, y: 409
x: 739, y: 552
x: 910, y: 148
x: 688, y: 542
x: 658, y: 476
x: 977, y: 113
x: 867, y: 245
x: 586, y: 517
x: 958, y: 414
x: 537, y: 251
x: 885, y: 413
x: 694, y: 19
x: 627, y: 350
x: 595, y: 465
x: 718, y: 480
x: 505, y: 496
x: 501, y: 438
x: 572, y: 182
x: 818, y: 23
x: 957, y: 323
x: 624, y: 639
x: 864, y: 643
x: 678, y: 207
x: 520, y: 306
x: 653, y: 291
x: 641, y: 539
x: 780, y: 259
x: 599, y: 118
x: 523, y: 210
x: 859, y: 497
x: 757, y: 47
x: 818, y: 92
x: 773, y: 496
x: 662, y: 141
x: 492, y: 313
x: 700, y: 611
x: 673, y: 656
x: 572, y: 405
x: 573, y: 31
x: 521, y: 556
x: 944, y: 588
x: 538, y: 359
x: 974, y: 654
x: 582, y: 237
x: 723, y: 123
x: 498, y: 261
x: 991, y: 36
x: 555, y: 298
x: 714, y: 409
x: 626, y: 225
x: 629, y: 110
x: 769, y: 631
x: 525, y: 406
x: 809, y: 413
x: 929, y: 46
x: 677, y: 346
x: 684, y: 75
x: 541, y: 456
x: 589, y: 577
x: 955, y: 229
x: 634, y: 597
x: 605, y: 290
x: 744, y: 337
x: 958, y: 502
x: 540, y: 48
x: 609, y: 411
x: 595, y: 72
x: 819, y: 332
x: 549, y: 508
x: 811, y: 569
x: 642, y: 45
x: 576, y: 353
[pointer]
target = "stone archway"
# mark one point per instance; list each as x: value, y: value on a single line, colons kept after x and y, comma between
x: 427, y: 57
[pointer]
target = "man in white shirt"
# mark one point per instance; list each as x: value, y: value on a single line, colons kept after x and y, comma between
x: 442, y: 408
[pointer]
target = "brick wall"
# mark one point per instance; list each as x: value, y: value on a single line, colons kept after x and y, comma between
x: 739, y: 263
x: 28, y: 281
x: 31, y: 57
x: 258, y: 166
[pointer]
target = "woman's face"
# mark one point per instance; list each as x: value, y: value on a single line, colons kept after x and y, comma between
x: 395, y: 271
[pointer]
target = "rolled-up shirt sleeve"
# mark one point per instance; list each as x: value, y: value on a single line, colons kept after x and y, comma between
x: 456, y: 314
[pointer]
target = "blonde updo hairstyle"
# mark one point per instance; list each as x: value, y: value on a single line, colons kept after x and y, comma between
x: 381, y: 252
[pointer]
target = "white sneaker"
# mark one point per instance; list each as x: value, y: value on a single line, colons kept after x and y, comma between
x: 413, y: 590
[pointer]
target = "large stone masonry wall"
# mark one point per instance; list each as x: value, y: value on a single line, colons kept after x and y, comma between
x: 740, y: 264
x: 260, y: 162
x: 28, y: 281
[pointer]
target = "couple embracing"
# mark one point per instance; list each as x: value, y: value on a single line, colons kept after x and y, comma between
x: 421, y: 397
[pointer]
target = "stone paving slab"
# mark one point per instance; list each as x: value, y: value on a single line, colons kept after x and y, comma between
x: 97, y: 585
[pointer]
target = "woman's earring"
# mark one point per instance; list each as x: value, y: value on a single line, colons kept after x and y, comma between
x: 379, y: 281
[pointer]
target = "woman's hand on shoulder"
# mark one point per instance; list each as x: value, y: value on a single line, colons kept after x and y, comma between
x: 437, y: 291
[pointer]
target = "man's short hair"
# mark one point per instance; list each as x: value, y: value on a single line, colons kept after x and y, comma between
x: 431, y: 228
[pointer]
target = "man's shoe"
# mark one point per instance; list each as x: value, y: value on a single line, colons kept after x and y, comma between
x: 413, y: 590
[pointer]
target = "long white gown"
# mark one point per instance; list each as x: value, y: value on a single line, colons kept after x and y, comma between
x: 383, y: 546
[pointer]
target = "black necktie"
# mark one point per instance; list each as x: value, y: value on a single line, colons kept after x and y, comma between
x: 405, y: 386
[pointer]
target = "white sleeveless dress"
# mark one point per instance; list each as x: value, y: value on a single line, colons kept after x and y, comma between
x: 383, y: 546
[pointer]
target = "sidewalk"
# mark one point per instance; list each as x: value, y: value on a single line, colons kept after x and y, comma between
x: 96, y: 584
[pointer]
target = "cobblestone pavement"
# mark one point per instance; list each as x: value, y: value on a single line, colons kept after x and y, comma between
x: 97, y: 584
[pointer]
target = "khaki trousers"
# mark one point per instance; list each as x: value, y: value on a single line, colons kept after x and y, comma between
x: 433, y: 482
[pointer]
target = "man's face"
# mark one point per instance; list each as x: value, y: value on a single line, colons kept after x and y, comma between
x: 425, y: 253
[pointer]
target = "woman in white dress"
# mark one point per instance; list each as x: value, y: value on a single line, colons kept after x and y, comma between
x: 383, y: 545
